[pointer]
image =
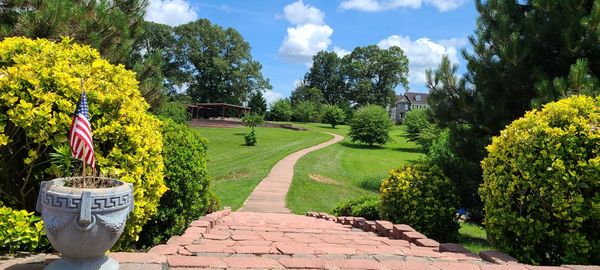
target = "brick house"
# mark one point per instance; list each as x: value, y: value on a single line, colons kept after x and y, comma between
x: 406, y: 102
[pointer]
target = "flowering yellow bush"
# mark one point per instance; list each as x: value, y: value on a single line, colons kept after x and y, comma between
x: 541, y: 189
x: 421, y: 196
x: 39, y: 89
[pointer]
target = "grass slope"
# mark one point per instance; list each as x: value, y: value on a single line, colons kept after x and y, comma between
x: 344, y: 170
x: 236, y: 169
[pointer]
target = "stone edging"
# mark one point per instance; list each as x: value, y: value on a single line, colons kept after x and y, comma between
x: 405, y: 232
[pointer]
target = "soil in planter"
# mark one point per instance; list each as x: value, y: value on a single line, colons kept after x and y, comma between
x: 90, y: 182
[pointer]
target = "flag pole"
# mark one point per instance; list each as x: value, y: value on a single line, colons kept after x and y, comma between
x: 84, y: 148
x: 84, y: 154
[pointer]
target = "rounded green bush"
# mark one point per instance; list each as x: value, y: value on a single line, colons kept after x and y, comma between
x: 421, y: 196
x: 187, y: 197
x: 333, y: 115
x: 371, y: 124
x: 541, y: 189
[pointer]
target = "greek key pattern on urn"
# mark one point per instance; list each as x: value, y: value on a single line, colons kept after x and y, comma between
x: 98, y: 203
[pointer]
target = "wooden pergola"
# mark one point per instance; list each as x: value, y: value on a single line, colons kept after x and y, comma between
x: 208, y: 110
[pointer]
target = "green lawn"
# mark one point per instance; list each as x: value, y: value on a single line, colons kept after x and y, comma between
x: 473, y: 237
x: 322, y: 178
x: 344, y: 170
x: 236, y: 169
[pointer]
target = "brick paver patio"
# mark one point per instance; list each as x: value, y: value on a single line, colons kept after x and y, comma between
x: 250, y: 240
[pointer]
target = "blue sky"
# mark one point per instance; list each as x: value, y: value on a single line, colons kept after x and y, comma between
x: 284, y: 35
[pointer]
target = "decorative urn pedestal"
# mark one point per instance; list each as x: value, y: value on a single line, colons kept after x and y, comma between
x: 84, y: 223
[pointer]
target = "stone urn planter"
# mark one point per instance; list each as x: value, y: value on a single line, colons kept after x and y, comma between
x: 84, y: 223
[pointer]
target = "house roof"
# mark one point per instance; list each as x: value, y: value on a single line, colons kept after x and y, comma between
x: 412, y: 97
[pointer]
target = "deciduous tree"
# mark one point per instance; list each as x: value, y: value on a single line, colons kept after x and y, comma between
x: 333, y: 115
x: 326, y: 74
x: 281, y: 110
x: 306, y: 93
x: 218, y: 62
x: 372, y: 74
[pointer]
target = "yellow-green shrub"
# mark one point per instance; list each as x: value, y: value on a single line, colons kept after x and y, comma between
x: 421, y: 196
x: 21, y: 231
x: 39, y: 89
x: 541, y: 188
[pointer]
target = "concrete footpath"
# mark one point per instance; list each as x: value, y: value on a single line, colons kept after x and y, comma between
x: 269, y: 195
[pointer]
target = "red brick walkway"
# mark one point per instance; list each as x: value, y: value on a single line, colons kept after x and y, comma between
x: 269, y: 195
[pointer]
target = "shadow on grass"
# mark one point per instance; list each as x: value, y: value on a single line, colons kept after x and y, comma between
x: 410, y: 150
x: 361, y: 146
x: 413, y: 161
x: 239, y: 134
x: 325, y: 126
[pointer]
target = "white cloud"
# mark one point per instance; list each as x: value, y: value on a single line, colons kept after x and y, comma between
x: 445, y: 5
x: 422, y: 54
x: 171, y: 12
x: 454, y: 42
x: 272, y: 96
x: 308, y: 37
x: 340, y: 52
x: 298, y: 13
x: 381, y: 5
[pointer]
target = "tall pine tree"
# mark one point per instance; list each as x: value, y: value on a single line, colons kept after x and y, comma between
x: 520, y: 45
x: 523, y: 53
x: 110, y: 26
x: 257, y: 103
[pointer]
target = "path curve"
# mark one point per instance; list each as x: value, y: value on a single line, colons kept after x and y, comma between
x: 269, y: 195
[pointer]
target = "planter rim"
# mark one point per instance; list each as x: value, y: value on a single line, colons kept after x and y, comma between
x: 57, y: 185
x: 102, y: 199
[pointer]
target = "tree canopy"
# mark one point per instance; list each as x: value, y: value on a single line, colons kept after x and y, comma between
x: 154, y: 60
x: 258, y: 103
x: 306, y: 93
x: 108, y: 26
x: 218, y: 63
x: 326, y: 74
x: 372, y: 74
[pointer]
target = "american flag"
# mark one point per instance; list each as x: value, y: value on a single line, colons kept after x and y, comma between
x: 81, y: 133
